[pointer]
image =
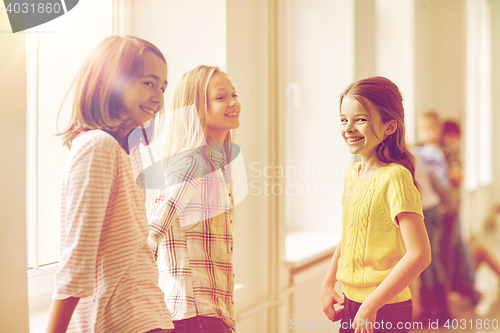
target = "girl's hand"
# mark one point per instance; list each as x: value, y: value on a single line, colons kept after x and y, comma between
x: 329, y: 298
x: 366, y: 320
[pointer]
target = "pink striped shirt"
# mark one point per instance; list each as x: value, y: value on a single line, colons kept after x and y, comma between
x: 105, y: 260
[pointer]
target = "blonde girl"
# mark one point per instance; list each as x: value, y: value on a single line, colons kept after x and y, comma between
x: 107, y: 278
x: 192, y: 218
x: 384, y: 243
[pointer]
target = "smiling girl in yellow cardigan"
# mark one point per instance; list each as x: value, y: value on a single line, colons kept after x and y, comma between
x: 384, y: 243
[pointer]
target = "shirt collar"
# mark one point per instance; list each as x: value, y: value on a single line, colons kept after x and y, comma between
x: 219, y: 158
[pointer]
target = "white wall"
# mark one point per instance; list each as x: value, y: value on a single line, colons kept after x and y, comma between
x: 495, y: 12
x: 13, y: 254
x: 248, y: 68
x: 365, y: 30
x: 440, y: 57
x: 321, y: 64
x: 395, y: 52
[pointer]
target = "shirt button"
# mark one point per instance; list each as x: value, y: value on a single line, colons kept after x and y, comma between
x: 231, y: 221
x: 229, y: 194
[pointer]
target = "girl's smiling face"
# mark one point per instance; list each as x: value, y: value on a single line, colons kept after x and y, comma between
x: 362, y: 131
x: 223, y: 107
x: 144, y: 98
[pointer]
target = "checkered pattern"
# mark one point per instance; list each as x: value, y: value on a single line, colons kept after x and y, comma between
x: 191, y: 234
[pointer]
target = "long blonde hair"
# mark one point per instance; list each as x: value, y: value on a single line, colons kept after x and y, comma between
x: 187, y: 127
x: 188, y: 136
x: 101, y: 83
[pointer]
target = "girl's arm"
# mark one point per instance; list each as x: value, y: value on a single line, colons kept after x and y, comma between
x: 329, y: 297
x: 60, y: 314
x: 181, y: 185
x: 415, y: 260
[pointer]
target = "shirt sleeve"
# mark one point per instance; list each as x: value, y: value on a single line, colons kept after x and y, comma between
x: 87, y: 187
x: 402, y: 194
x: 181, y: 185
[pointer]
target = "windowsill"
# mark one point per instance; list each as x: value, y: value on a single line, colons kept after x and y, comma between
x: 305, y: 247
x: 41, y: 286
x: 40, y: 289
x: 39, y: 319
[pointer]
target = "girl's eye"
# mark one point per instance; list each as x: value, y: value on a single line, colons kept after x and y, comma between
x: 343, y: 120
x: 361, y: 119
x: 149, y: 84
x: 221, y: 97
x: 235, y: 96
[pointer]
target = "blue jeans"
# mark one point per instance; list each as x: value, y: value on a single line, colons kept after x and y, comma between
x: 388, y: 317
x: 201, y: 324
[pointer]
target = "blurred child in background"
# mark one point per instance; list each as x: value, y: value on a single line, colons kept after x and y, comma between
x: 455, y: 254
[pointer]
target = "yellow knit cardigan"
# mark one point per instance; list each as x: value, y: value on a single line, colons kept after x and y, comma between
x: 371, y: 239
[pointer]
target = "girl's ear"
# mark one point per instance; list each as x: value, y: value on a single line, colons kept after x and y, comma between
x: 392, y: 127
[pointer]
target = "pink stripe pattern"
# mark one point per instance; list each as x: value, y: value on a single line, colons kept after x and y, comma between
x: 105, y: 260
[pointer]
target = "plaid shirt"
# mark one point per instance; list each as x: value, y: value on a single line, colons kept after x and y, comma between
x: 191, y: 221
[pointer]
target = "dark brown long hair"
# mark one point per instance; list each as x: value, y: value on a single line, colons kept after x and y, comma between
x: 387, y: 99
x: 101, y: 82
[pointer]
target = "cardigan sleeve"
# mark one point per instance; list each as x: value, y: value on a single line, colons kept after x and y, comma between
x: 402, y: 194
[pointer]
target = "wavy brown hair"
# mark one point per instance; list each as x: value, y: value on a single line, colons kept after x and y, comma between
x: 101, y: 83
x: 387, y: 98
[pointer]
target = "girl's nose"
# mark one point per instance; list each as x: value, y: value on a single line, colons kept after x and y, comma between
x: 157, y: 97
x: 233, y: 102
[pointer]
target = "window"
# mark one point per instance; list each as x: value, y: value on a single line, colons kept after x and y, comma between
x: 478, y: 122
x: 55, y: 51
x: 395, y: 52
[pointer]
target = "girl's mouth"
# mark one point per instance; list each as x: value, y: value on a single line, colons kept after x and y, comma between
x: 233, y: 114
x: 354, y: 139
x: 148, y: 111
